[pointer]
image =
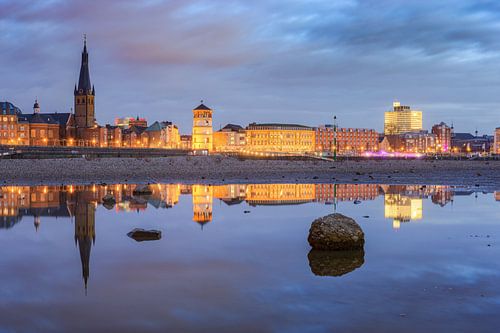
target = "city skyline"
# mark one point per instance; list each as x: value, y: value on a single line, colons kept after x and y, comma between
x: 320, y: 68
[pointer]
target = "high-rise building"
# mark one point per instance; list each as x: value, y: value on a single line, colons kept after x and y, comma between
x: 496, y: 141
x: 443, y: 137
x: 202, y: 139
x: 402, y: 119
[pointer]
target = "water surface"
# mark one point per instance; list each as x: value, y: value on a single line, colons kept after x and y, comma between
x: 236, y: 258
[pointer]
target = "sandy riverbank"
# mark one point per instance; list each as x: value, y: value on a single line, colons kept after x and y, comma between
x: 216, y: 169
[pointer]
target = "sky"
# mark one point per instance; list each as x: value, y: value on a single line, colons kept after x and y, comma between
x: 285, y: 61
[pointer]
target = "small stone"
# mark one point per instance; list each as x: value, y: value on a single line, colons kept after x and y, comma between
x: 140, y: 235
x: 142, y: 190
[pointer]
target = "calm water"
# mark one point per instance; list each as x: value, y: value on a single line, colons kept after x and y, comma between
x: 235, y: 258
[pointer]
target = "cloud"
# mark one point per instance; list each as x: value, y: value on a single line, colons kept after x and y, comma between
x: 259, y: 60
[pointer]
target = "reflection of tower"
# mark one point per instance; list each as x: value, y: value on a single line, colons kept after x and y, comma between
x: 202, y: 203
x: 84, y: 232
x: 202, y: 128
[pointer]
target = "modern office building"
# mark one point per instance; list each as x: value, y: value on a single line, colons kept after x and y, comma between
x: 402, y: 119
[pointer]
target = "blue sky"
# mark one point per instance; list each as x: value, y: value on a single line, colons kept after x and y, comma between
x: 264, y: 61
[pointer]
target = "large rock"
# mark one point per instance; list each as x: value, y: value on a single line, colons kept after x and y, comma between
x: 336, y: 232
x: 335, y: 263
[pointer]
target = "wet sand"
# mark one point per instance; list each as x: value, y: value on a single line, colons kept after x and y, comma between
x: 217, y: 169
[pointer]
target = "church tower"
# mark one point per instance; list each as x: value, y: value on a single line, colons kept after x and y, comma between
x: 84, y: 94
x: 36, y: 107
x: 202, y: 138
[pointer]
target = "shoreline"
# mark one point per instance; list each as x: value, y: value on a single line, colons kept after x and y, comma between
x: 481, y: 175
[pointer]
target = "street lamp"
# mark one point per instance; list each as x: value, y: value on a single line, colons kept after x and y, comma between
x: 334, y: 138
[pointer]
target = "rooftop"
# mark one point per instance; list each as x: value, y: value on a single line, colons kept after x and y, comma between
x: 232, y: 127
x: 7, y: 108
x: 279, y: 126
x: 202, y: 107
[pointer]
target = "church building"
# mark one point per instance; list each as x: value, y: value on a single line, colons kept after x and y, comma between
x: 88, y: 132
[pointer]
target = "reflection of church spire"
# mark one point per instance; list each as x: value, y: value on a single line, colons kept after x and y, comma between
x: 85, y: 234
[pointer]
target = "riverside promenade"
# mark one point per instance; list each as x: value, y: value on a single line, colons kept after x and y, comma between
x: 482, y: 175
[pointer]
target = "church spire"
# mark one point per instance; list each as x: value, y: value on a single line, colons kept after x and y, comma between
x: 84, y: 85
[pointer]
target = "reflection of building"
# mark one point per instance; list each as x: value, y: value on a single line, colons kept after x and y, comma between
x: 442, y: 195
x: 345, y: 192
x: 84, y: 231
x: 402, y: 120
x: 202, y: 138
x: 202, y: 203
x: 279, y: 194
x: 287, y: 138
x: 402, y: 208
x: 230, y: 194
